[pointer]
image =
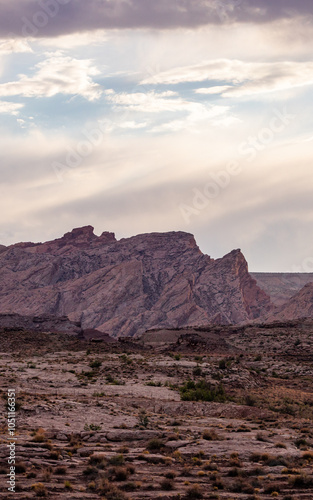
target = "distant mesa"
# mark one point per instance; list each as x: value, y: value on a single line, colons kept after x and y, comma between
x: 126, y: 287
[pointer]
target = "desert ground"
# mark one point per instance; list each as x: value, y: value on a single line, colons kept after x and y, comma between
x: 214, y: 413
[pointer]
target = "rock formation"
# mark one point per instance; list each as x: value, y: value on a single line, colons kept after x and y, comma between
x: 298, y: 306
x: 44, y: 323
x: 282, y: 286
x: 125, y: 287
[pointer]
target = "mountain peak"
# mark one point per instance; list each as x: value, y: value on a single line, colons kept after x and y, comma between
x: 86, y: 232
x: 154, y: 280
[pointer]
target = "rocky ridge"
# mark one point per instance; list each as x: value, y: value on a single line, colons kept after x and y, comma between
x: 43, y: 323
x: 157, y: 280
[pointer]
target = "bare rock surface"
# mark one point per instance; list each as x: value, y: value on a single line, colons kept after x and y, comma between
x: 123, y: 288
x: 282, y: 286
x: 110, y: 420
x: 298, y: 306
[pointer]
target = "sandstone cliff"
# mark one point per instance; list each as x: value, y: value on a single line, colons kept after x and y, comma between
x: 125, y: 287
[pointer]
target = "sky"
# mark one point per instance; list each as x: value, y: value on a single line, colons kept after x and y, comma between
x: 138, y: 116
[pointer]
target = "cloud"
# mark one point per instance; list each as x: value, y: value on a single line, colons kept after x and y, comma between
x: 219, y: 89
x: 150, y: 102
x: 56, y: 74
x: 11, y: 108
x: 74, y: 40
x: 247, y: 77
x: 184, y: 114
x: 14, y: 45
x: 58, y: 17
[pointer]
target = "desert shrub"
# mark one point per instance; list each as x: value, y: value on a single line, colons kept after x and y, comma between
x: 218, y: 483
x: 242, y: 486
x: 92, y: 427
x: 31, y: 475
x: 68, y: 486
x: 117, y: 460
x: 257, y: 471
x: 234, y: 472
x: 155, y: 444
x: 170, y: 474
x: 143, y: 419
x: 126, y: 359
x: 261, y: 437
x: 300, y: 443
x: 280, y: 445
x: 202, y: 391
x: 211, y: 435
x: 60, y: 471
x: 167, y: 484
x: 199, y: 359
x: 272, y: 487
x: 222, y: 364
x: 197, y: 371
x: 98, y: 461
x: 120, y: 473
x: 39, y: 436
x: 95, y: 364
x: 130, y: 486
x: 194, y: 492
x: 211, y: 466
x: 301, y: 481
x: 54, y: 455
x: 131, y: 469
x: 90, y: 471
x: 250, y: 400
x: 20, y: 467
x: 40, y: 490
x: 110, y: 491
x: 234, y: 460
x: 308, y: 456
x: 276, y: 461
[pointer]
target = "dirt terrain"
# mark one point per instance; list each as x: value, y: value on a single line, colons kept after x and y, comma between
x: 127, y: 419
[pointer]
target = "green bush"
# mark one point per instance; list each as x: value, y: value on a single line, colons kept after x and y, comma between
x: 222, y: 364
x: 202, y: 391
x: 155, y: 444
x: 117, y: 460
x: 197, y: 371
x: 95, y: 364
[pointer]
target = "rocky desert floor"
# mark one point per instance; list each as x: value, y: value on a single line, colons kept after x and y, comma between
x: 127, y: 419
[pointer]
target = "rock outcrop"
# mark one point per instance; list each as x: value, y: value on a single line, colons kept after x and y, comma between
x: 157, y: 280
x: 282, y: 286
x: 42, y: 323
x: 298, y: 306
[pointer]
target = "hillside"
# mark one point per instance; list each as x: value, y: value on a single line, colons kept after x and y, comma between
x: 123, y: 288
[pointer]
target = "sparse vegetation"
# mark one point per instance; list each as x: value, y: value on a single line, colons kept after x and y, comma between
x: 40, y: 490
x: 202, y: 391
x: 157, y: 431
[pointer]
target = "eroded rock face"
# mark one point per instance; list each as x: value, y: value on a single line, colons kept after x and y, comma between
x: 298, y: 306
x: 282, y: 286
x: 125, y: 287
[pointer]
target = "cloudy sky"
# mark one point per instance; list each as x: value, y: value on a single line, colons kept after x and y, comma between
x: 158, y: 115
